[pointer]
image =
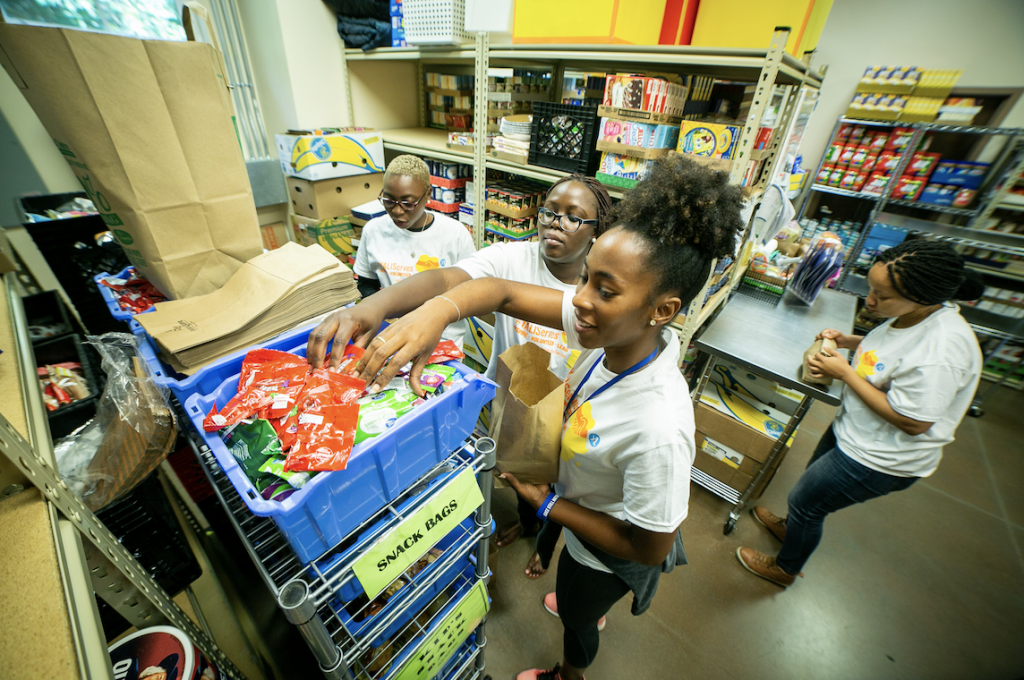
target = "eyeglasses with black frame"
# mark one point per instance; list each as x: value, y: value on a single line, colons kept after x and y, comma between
x: 390, y: 203
x: 567, y: 223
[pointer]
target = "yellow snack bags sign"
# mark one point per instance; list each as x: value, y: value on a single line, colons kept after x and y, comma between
x: 400, y: 548
x: 444, y: 640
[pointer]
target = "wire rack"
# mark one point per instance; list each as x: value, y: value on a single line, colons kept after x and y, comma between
x: 329, y: 575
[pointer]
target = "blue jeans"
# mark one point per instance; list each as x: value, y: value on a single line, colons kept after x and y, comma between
x: 831, y: 482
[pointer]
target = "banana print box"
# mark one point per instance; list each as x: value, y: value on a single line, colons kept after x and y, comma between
x: 334, y: 235
x: 710, y: 140
x: 330, y: 152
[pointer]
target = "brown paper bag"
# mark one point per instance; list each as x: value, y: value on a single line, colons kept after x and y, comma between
x: 526, y: 415
x: 826, y: 345
x: 146, y: 126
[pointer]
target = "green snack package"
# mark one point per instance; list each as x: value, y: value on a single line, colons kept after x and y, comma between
x: 275, y: 466
x: 435, y: 375
x: 378, y: 412
x: 252, y: 444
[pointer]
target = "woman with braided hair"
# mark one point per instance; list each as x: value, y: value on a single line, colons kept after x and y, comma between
x: 627, y: 433
x: 908, y: 387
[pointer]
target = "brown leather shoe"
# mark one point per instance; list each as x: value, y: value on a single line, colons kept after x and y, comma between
x: 770, y: 521
x: 764, y: 566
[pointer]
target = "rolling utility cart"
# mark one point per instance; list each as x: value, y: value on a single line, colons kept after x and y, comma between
x: 433, y: 626
x: 770, y: 342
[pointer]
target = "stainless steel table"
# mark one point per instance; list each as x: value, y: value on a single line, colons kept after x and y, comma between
x: 770, y: 342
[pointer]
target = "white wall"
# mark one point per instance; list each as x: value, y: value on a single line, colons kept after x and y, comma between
x: 983, y: 37
x: 38, y: 145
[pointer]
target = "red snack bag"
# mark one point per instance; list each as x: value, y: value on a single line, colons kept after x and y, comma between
x: 352, y: 356
x: 262, y: 364
x: 446, y: 351
x: 324, y: 439
x: 243, y: 405
x: 287, y: 429
x: 324, y: 388
x: 284, y: 399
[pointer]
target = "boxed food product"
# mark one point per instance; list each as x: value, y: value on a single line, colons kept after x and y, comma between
x: 330, y: 152
x: 887, y: 162
x: 846, y: 155
x: 824, y: 173
x: 710, y: 140
x: 631, y: 133
x: 746, y: 410
x: 964, y: 197
x: 836, y: 178
x: 965, y: 174
x: 642, y: 93
x: 939, y: 194
x: 849, y: 180
x: 908, y: 188
x: 833, y: 153
x: 921, y: 164
x: 624, y: 167
x: 333, y: 197
x: 876, y: 184
x: 899, y: 139
x: 728, y: 450
x: 859, y: 157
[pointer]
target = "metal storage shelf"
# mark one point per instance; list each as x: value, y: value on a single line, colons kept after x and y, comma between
x: 992, y: 271
x: 1010, y: 206
x: 946, y: 209
x: 978, y: 238
x: 993, y: 324
x: 425, y: 142
x: 324, y: 578
x: 843, y: 192
x: 723, y: 62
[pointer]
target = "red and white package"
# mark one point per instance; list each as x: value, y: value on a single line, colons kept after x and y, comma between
x: 263, y: 364
x: 352, y: 356
x: 324, y: 439
x: 446, y: 350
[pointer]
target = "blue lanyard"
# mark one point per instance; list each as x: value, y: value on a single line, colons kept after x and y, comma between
x: 629, y: 371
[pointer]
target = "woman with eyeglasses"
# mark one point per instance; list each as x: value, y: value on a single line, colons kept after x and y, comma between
x: 409, y: 239
x: 575, y: 212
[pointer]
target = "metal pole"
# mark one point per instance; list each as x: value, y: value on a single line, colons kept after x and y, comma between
x: 486, y: 448
x: 300, y: 610
x: 480, y: 104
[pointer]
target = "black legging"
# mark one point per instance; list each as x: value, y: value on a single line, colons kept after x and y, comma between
x: 584, y: 596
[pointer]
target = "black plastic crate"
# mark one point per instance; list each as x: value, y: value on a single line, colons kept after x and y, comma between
x: 46, y: 310
x: 565, y: 137
x: 70, y: 417
x: 69, y: 247
x: 147, y: 527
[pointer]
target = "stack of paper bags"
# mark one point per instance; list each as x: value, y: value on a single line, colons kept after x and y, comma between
x: 270, y: 294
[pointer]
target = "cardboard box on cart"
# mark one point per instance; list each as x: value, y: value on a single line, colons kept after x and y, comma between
x: 746, y: 449
x: 327, y: 198
x: 330, y: 152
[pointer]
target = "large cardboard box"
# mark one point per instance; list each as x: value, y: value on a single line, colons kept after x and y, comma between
x: 274, y: 235
x: 333, y: 197
x: 755, y: 388
x: 738, y: 440
x: 327, y: 153
x: 334, y: 235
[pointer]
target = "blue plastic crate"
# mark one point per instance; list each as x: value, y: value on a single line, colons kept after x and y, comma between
x: 404, y: 599
x: 111, y: 300
x: 332, y: 504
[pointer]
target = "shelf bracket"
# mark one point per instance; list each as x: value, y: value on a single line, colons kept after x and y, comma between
x: 762, y: 97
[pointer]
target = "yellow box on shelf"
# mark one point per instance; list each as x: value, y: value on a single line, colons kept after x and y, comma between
x: 588, y: 21
x: 750, y: 23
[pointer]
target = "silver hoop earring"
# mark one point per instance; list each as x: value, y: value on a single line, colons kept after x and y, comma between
x: 653, y: 322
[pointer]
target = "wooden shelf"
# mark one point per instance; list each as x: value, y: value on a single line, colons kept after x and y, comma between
x: 425, y: 142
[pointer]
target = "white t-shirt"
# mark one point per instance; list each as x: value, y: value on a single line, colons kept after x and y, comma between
x: 521, y: 262
x: 390, y: 254
x: 930, y: 373
x: 628, y: 452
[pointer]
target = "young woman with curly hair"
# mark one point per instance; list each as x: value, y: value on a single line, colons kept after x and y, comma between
x: 576, y: 210
x: 627, y: 438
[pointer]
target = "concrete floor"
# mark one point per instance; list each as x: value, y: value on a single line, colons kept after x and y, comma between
x: 926, y: 583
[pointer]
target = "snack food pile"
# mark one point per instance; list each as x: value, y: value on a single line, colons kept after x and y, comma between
x: 62, y: 384
x: 286, y: 422
x: 134, y: 294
